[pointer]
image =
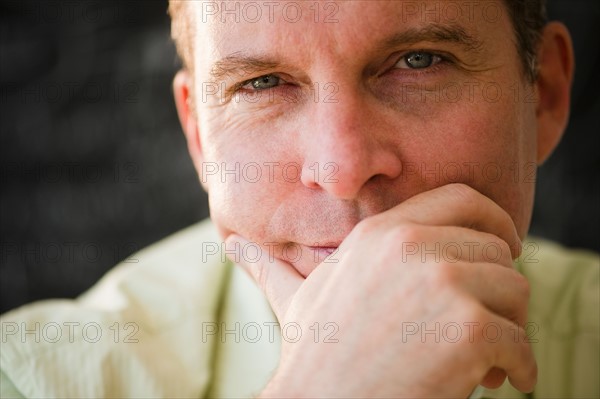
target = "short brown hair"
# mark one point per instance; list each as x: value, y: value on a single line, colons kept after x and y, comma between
x: 528, y: 18
x: 182, y: 29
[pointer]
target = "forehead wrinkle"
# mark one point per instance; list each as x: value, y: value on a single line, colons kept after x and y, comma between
x: 240, y: 63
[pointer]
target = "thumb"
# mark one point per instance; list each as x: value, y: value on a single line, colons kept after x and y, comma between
x: 278, y: 280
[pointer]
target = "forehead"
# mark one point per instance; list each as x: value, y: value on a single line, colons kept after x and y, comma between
x: 303, y: 32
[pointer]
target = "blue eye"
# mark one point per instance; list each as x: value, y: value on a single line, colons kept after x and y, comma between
x: 418, y: 60
x: 262, y: 82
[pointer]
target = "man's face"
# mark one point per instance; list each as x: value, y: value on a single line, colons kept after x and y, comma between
x: 361, y: 105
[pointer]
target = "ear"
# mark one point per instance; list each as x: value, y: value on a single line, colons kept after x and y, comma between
x: 182, y: 91
x: 556, y: 65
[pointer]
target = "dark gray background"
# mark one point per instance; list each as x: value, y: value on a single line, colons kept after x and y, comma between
x: 94, y: 165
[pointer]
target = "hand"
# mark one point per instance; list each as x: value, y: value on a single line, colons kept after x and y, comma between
x: 378, y: 291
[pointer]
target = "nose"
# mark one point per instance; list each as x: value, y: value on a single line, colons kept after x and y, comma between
x: 347, y: 146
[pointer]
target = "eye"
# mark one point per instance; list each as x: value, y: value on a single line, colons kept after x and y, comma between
x: 261, y: 83
x: 418, y: 60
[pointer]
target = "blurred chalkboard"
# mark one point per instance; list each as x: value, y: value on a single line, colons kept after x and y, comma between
x: 567, y: 207
x: 94, y: 166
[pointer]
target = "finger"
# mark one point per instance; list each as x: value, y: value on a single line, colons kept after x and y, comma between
x: 509, y: 350
x: 457, y: 205
x: 503, y: 291
x: 494, y: 378
x: 278, y: 280
x: 462, y: 259
x: 455, y: 244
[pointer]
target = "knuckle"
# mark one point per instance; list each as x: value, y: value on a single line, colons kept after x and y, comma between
x: 445, y: 275
x: 407, y: 233
x: 463, y: 191
x: 365, y: 227
x: 473, y: 318
x: 496, y: 250
x: 522, y: 286
x: 506, y: 253
x: 474, y: 312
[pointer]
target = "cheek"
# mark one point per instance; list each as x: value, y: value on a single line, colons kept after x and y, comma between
x: 488, y: 145
x: 248, y: 173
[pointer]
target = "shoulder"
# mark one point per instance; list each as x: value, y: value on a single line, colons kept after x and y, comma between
x: 564, y: 319
x: 130, y: 334
x: 565, y: 315
x: 565, y: 286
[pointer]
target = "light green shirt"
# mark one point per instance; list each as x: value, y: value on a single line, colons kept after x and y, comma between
x: 177, y: 320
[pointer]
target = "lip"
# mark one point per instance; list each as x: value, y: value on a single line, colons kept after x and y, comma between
x: 309, y: 257
x: 324, y: 250
x: 320, y: 253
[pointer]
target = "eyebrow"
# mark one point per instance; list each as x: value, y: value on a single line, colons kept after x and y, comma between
x: 239, y: 64
x: 450, y: 33
x: 242, y: 65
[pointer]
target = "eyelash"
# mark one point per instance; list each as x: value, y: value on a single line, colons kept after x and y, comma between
x: 239, y: 86
x: 444, y: 61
